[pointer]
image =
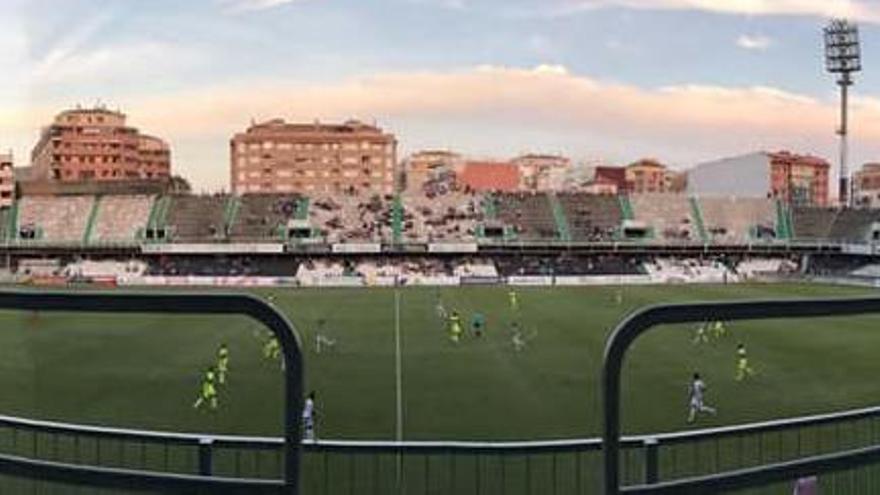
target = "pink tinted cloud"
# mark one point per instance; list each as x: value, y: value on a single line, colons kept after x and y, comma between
x: 544, y: 96
x: 676, y: 123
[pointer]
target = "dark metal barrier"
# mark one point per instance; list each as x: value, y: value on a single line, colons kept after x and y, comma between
x: 171, y: 303
x: 338, y: 466
x: 637, y: 324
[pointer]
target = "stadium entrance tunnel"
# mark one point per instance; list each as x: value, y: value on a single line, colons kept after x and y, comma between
x: 858, y: 453
x: 48, y: 457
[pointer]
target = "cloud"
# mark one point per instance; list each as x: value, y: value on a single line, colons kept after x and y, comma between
x: 115, y: 62
x: 498, y: 110
x: 69, y: 44
x: 239, y: 6
x: 754, y: 43
x: 863, y: 10
x: 546, y: 95
x: 445, y: 4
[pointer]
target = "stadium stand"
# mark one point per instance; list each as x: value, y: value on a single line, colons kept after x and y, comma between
x: 813, y: 223
x: 591, y: 217
x: 104, y: 269
x: 197, y: 218
x: 834, y: 266
x: 222, y: 266
x: 669, y: 215
x: 421, y: 268
x: 39, y: 267
x: 60, y: 219
x: 261, y: 216
x: 450, y: 216
x: 121, y: 218
x: 752, y: 267
x: 352, y: 218
x: 738, y: 220
x: 530, y: 215
x: 852, y: 225
x: 688, y: 270
x: 5, y: 227
x: 569, y: 265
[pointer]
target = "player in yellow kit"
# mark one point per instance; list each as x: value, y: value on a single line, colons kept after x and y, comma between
x: 455, y: 329
x: 743, y: 370
x: 207, y: 392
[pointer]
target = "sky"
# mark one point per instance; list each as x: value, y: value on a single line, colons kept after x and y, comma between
x: 682, y: 81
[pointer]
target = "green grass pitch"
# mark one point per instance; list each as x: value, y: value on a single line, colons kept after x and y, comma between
x: 144, y: 371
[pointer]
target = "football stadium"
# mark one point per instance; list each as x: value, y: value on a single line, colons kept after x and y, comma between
x: 510, y: 402
x: 594, y: 247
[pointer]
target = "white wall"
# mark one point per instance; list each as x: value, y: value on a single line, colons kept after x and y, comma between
x: 742, y: 176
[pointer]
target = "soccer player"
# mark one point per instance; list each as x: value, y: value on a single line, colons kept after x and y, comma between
x: 478, y: 324
x: 321, y: 338
x: 207, y: 392
x: 323, y: 342
x: 455, y: 329
x: 514, y: 299
x: 743, y: 370
x: 701, y: 337
x: 718, y: 329
x: 308, y: 417
x: 222, y: 363
x: 696, y: 390
x: 518, y: 337
x: 439, y: 308
x: 618, y: 297
x: 272, y: 348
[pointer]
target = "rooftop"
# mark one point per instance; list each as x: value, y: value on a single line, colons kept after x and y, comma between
x: 490, y: 176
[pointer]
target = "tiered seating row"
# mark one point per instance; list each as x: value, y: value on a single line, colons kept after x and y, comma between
x: 738, y: 220
x: 260, y: 216
x: 54, y: 218
x: 120, y: 218
x: 669, y: 215
x: 592, y: 217
x: 530, y: 214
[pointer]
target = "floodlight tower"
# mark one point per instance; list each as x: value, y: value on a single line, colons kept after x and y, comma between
x: 843, y: 57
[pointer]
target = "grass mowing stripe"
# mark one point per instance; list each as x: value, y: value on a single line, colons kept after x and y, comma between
x: 399, y: 382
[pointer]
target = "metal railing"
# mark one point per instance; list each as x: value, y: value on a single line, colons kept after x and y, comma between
x: 643, y: 321
x: 92, y: 473
x: 338, y: 466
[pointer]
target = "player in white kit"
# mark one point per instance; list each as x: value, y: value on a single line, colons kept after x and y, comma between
x: 308, y: 417
x: 695, y: 399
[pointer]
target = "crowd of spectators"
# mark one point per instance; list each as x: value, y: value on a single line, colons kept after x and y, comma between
x: 442, y: 211
x: 221, y: 266
x: 350, y: 217
x: 569, y: 265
